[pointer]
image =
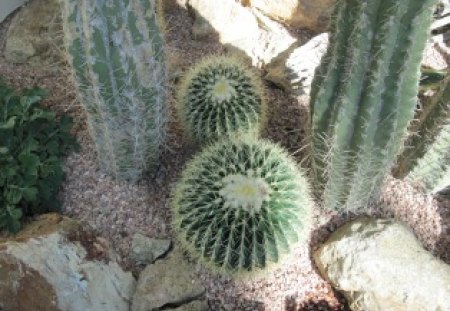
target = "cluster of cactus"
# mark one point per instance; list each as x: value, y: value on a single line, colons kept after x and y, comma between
x: 220, y: 97
x: 116, y: 51
x: 364, y: 95
x: 426, y: 158
x: 241, y: 204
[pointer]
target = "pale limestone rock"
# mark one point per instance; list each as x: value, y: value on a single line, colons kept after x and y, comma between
x: 46, y: 268
x: 169, y: 281
x: 240, y: 29
x: 197, y: 305
x: 294, y: 70
x: 34, y: 35
x: 145, y: 250
x: 314, y: 15
x: 379, y: 265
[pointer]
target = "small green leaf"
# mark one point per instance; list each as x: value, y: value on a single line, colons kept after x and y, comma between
x: 13, y: 195
x: 30, y: 194
x: 29, y: 163
x: 3, y: 150
x: 41, y: 114
x: 8, y: 125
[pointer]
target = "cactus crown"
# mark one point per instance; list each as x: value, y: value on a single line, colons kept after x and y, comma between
x: 220, y: 97
x: 241, y: 204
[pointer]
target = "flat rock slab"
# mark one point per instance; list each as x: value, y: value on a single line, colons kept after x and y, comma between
x: 145, y: 250
x: 379, y: 265
x: 44, y: 268
x: 167, y: 282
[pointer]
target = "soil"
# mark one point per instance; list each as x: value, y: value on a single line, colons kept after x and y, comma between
x: 117, y: 210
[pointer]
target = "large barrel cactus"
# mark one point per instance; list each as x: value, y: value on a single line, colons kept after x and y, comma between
x: 364, y: 94
x: 221, y: 97
x: 426, y: 158
x: 241, y: 204
x: 116, y: 51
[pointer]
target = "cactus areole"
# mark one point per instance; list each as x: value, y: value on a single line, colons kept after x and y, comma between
x: 241, y: 205
x: 363, y: 96
x: 115, y: 49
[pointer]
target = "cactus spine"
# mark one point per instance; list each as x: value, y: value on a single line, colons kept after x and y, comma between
x: 364, y: 95
x: 241, y: 204
x: 427, y: 156
x: 116, y: 51
x: 221, y: 97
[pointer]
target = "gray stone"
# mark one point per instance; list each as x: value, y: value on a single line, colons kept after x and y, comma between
x: 197, y: 305
x: 300, y: 13
x: 168, y: 281
x: 145, y: 250
x: 240, y: 29
x: 294, y: 69
x: 55, y: 265
x: 379, y: 265
x: 8, y: 6
x: 34, y: 36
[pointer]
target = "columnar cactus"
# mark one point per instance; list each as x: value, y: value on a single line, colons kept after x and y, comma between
x: 220, y: 97
x: 116, y: 51
x: 241, y: 204
x: 364, y: 95
x: 427, y: 157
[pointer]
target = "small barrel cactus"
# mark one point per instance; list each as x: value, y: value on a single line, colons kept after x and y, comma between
x: 116, y: 52
x: 241, y: 204
x: 220, y: 97
x: 364, y: 95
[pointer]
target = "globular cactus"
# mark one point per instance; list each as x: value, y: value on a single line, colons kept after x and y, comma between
x: 240, y: 205
x: 116, y: 52
x: 220, y: 97
x: 426, y: 158
x: 363, y: 96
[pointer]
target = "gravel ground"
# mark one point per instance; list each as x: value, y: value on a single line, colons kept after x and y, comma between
x: 118, y: 210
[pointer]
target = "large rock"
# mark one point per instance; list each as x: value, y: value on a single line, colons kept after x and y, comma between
x: 240, y: 29
x: 168, y: 282
x: 55, y: 265
x: 34, y: 35
x: 314, y: 15
x: 294, y: 69
x: 145, y: 250
x: 379, y: 265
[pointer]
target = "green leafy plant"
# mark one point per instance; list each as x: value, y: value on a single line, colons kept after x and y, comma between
x: 32, y: 141
x: 364, y: 95
x: 116, y: 52
x: 241, y: 204
x: 220, y: 97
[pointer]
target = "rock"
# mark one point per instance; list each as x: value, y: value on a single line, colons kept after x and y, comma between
x: 8, y: 6
x: 55, y: 265
x: 437, y: 53
x: 34, y: 35
x: 145, y: 250
x: 167, y: 282
x: 380, y: 265
x: 300, y: 13
x: 240, y: 29
x: 198, y: 305
x: 294, y: 69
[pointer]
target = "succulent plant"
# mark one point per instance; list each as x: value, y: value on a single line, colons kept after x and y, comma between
x: 426, y: 158
x: 116, y: 52
x: 241, y: 204
x: 220, y: 97
x: 364, y: 95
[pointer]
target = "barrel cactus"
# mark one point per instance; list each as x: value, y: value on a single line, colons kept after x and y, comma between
x: 240, y: 205
x: 116, y: 53
x: 364, y: 95
x: 220, y: 97
x: 426, y: 159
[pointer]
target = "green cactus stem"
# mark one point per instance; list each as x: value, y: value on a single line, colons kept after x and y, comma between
x: 363, y: 96
x: 240, y: 205
x: 116, y: 53
x: 426, y: 158
x: 220, y: 97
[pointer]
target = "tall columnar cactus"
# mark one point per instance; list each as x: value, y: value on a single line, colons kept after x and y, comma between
x: 220, y: 97
x: 427, y: 156
x: 241, y: 204
x: 364, y: 95
x: 116, y: 51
